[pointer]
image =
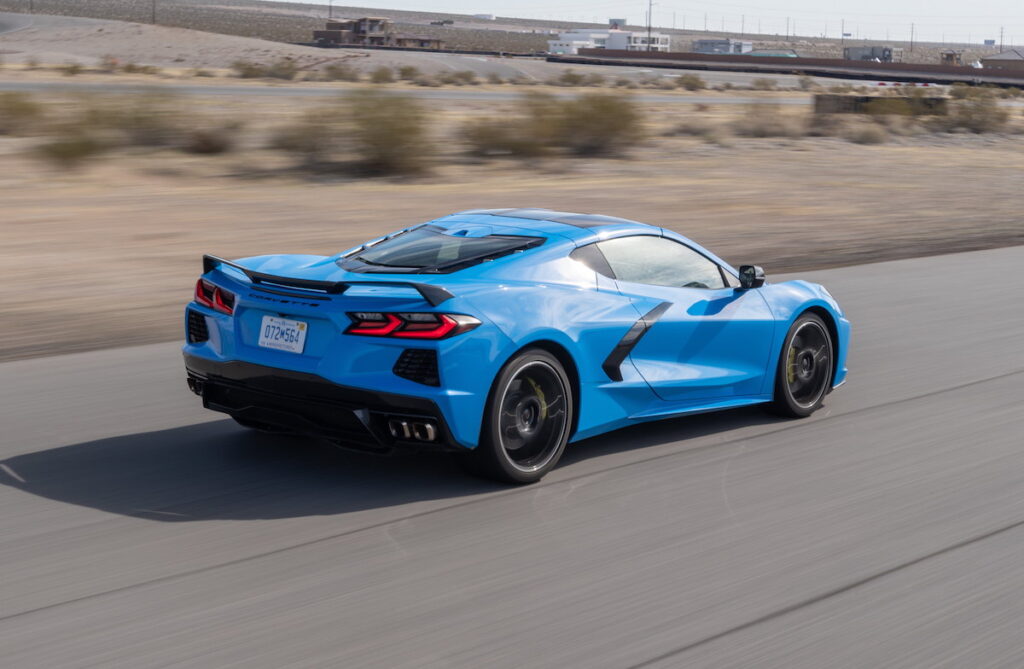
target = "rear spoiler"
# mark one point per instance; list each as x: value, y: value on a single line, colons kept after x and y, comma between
x: 434, y: 295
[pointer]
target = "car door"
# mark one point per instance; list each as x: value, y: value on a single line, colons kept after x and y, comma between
x: 705, y: 340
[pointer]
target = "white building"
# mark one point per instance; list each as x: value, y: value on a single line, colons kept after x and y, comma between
x: 572, y: 41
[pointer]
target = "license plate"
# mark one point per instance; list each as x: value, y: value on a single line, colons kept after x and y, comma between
x: 283, y: 334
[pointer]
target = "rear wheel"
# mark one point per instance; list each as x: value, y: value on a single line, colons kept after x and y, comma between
x: 527, y: 420
x: 804, y: 372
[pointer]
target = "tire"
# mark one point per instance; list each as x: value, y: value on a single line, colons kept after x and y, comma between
x: 527, y: 420
x: 804, y: 373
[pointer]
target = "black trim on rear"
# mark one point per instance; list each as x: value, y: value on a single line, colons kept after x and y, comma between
x: 434, y: 295
x: 613, y: 363
x: 310, y: 404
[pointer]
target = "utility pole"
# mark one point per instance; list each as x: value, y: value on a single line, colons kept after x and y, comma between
x: 673, y: 20
x: 1001, y: 31
x: 705, y: 21
x: 911, y: 38
x: 842, y: 32
x: 650, y: 9
x: 743, y: 25
x: 154, y: 12
x: 330, y: 9
x: 787, y: 28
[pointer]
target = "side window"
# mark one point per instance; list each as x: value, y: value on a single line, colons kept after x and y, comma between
x: 660, y: 262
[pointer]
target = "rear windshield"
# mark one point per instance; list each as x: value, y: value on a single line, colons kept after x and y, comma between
x: 428, y: 250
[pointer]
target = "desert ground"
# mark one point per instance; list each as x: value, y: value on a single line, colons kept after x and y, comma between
x: 105, y: 253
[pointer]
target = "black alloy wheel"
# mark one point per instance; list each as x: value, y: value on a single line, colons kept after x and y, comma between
x: 805, y: 369
x: 527, y: 422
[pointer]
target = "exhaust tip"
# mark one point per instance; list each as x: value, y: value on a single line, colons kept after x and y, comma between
x: 412, y: 430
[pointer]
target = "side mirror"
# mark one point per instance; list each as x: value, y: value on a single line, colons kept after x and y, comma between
x: 751, y: 276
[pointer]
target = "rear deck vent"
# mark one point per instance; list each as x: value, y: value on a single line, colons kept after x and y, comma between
x: 197, y: 332
x: 419, y: 365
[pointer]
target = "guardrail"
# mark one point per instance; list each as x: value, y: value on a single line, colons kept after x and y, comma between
x: 820, y: 67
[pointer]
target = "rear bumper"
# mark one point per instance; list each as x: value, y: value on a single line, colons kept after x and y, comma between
x: 309, y: 404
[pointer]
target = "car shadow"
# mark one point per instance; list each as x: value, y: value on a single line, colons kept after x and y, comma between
x: 220, y: 471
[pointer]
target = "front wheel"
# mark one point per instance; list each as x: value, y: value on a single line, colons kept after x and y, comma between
x: 804, y: 373
x: 527, y: 420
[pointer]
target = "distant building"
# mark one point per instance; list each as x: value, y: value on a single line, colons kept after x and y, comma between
x: 878, y: 54
x: 722, y: 46
x: 371, y: 31
x: 571, y: 41
x: 616, y: 24
x: 951, y: 57
x: 1007, y: 60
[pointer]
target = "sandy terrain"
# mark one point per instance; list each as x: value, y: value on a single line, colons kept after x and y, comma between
x: 107, y: 256
x: 60, y: 39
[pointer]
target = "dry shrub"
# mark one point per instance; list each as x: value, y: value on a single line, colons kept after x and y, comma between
x: 868, y: 134
x: 767, y: 120
x: 69, y: 150
x: 693, y: 127
x: 623, y: 82
x: 568, y: 78
x: 213, y: 140
x: 827, y: 125
x: 765, y: 84
x: 978, y: 115
x: 151, y: 119
x: 592, y: 124
x: 840, y: 89
x: 285, y: 69
x: 1011, y: 93
x: 408, y: 72
x: 339, y: 72
x: 368, y: 132
x: 460, y: 78
x: 132, y: 68
x: 313, y: 138
x: 807, y: 83
x: 531, y: 133
x: 593, y: 79
x: 691, y: 82
x: 494, y: 78
x: 599, y: 124
x: 389, y: 133
x: 199, y: 72
x: 962, y: 91
x: 382, y: 75
x: 19, y: 113
x: 72, y: 69
x: 427, y: 80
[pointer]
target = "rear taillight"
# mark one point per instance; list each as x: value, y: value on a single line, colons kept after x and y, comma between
x: 215, y: 297
x: 409, y: 325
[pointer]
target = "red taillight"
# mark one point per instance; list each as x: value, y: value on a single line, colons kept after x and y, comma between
x: 214, y: 297
x: 410, y: 325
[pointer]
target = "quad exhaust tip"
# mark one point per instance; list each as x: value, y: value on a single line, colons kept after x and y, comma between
x: 412, y: 430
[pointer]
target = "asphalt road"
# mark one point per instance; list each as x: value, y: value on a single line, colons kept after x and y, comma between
x: 886, y: 531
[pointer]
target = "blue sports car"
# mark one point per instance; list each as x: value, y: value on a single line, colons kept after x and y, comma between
x: 502, y: 335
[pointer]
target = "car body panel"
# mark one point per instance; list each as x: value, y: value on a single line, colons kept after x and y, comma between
x: 711, y: 349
